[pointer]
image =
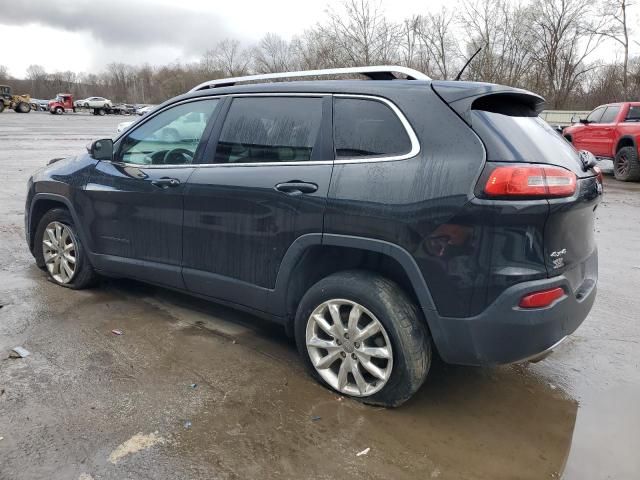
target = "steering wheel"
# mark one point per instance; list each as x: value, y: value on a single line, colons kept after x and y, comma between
x: 177, y: 156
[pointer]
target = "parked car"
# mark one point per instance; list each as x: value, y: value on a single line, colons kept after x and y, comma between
x: 377, y: 221
x: 123, y: 126
x: 94, y: 102
x: 611, y: 132
x: 145, y: 109
x: 39, y: 105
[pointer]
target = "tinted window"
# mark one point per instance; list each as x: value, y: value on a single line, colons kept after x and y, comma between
x: 367, y: 128
x: 263, y: 129
x: 633, y: 115
x: 169, y: 138
x: 610, y: 115
x: 596, y: 115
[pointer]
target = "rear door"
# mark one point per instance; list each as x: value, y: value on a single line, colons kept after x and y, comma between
x: 136, y: 201
x: 262, y: 185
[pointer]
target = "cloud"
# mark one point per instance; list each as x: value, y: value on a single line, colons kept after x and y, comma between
x: 121, y: 23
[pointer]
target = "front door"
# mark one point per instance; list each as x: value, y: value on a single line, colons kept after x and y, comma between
x: 262, y: 185
x: 136, y: 201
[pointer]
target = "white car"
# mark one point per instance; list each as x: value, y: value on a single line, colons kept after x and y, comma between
x: 145, y: 110
x: 122, y: 126
x: 94, y: 102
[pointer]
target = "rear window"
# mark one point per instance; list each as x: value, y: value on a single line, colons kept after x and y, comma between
x: 263, y: 129
x: 633, y: 115
x: 367, y: 128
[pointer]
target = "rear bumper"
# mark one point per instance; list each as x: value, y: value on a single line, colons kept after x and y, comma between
x: 505, y: 333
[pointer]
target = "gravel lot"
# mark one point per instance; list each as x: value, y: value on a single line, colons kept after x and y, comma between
x: 90, y: 404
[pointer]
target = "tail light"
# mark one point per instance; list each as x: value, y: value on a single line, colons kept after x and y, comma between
x: 530, y: 181
x: 541, y: 299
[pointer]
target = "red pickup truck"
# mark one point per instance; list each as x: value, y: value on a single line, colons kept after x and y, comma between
x: 612, y: 132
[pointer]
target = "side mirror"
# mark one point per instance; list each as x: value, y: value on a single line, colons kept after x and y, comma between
x: 101, y: 149
x: 584, y: 121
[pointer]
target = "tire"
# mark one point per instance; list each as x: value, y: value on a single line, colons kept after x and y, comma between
x: 402, y: 326
x: 101, y: 112
x: 1, y: 106
x: 83, y: 274
x: 59, y: 110
x: 86, y: 105
x: 23, y: 107
x: 626, y: 166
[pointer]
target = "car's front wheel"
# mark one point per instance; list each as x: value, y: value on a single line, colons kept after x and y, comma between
x: 59, y: 250
x: 360, y: 334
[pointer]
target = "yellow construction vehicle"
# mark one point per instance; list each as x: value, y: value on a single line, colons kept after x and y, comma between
x: 20, y: 103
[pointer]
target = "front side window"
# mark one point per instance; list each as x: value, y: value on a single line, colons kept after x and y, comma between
x: 169, y: 138
x: 596, y: 115
x: 270, y: 129
x: 633, y: 115
x: 367, y: 128
x: 610, y: 115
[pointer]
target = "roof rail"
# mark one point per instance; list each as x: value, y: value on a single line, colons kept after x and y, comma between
x: 379, y: 72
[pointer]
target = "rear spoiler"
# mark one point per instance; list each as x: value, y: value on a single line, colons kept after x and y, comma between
x: 463, y: 97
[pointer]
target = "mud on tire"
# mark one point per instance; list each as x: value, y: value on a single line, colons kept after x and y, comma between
x: 400, y: 317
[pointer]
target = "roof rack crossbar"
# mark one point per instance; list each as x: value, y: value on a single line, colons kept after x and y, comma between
x: 379, y: 72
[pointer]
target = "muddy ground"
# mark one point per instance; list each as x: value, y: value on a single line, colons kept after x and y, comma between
x: 90, y: 404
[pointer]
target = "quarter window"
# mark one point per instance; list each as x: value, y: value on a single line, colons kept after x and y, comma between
x: 610, y: 115
x: 169, y: 138
x: 269, y: 129
x: 367, y: 128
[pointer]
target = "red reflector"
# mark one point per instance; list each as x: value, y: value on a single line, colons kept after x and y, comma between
x: 598, y: 171
x: 541, y: 299
x: 530, y: 181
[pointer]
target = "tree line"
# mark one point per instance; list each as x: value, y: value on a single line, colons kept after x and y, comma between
x: 552, y: 47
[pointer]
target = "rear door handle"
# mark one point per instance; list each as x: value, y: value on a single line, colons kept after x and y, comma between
x: 296, y: 187
x: 165, y: 182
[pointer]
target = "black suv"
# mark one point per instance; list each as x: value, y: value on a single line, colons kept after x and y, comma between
x: 377, y: 220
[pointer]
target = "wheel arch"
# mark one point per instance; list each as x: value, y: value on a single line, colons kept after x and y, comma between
x: 44, y: 202
x: 314, y: 256
x: 625, y: 141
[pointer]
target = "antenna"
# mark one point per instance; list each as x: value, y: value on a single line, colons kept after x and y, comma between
x: 467, y: 64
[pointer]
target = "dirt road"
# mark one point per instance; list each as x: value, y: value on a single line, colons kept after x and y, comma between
x: 90, y: 404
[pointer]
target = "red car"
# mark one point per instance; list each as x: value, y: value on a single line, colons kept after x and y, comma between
x: 611, y: 132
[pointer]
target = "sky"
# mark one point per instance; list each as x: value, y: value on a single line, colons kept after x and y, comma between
x: 86, y: 35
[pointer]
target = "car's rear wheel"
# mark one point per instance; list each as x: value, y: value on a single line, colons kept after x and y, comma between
x: 58, y: 248
x: 626, y: 166
x: 361, y: 335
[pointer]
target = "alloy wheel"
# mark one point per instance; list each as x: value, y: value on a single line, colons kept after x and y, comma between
x: 349, y: 347
x: 622, y: 165
x: 59, y: 248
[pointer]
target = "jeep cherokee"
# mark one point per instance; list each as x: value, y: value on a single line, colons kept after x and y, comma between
x: 379, y: 221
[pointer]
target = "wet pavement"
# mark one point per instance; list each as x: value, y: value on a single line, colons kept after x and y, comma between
x: 90, y: 404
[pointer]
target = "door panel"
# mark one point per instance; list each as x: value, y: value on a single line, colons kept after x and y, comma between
x: 266, y: 185
x: 138, y: 218
x: 136, y: 201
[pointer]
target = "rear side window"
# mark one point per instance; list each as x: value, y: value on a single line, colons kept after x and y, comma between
x: 264, y: 129
x: 367, y: 128
x: 633, y: 115
x: 610, y: 114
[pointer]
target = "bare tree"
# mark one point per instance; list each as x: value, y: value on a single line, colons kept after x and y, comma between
x: 228, y: 58
x: 615, y: 18
x: 4, y: 73
x: 273, y: 54
x: 435, y: 31
x: 564, y: 38
x: 361, y: 32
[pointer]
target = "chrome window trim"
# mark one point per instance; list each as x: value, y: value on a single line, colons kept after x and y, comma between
x: 415, y: 144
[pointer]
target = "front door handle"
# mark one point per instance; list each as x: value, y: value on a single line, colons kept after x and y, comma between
x: 296, y: 187
x: 165, y: 182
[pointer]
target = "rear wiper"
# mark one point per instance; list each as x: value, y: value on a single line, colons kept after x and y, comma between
x: 467, y: 64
